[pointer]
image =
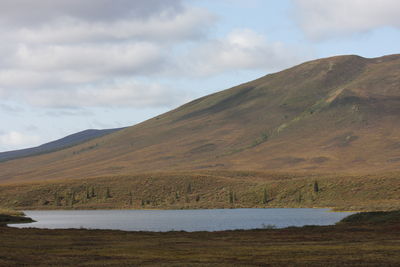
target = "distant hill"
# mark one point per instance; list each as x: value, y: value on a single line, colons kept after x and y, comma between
x: 65, y: 142
x: 337, y: 114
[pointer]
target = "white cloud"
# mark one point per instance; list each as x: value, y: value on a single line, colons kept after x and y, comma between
x: 188, y: 24
x: 338, y: 18
x: 14, y: 140
x: 12, y: 109
x: 72, y: 50
x: 81, y: 112
x: 124, y: 93
x: 94, y: 53
x: 100, y: 75
x: 58, y: 66
x: 101, y: 59
x: 241, y: 49
x: 28, y: 12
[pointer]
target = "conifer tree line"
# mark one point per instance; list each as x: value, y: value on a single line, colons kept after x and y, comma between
x: 181, y: 194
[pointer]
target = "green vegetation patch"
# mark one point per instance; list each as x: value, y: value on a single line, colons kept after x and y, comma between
x: 373, y: 217
x: 7, y: 219
x: 12, y: 216
x: 4, y: 211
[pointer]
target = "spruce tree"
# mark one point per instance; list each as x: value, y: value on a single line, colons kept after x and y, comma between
x: 316, y: 187
x: 130, y: 198
x: 265, y: 196
x: 231, y: 197
x: 56, y: 199
x: 72, y: 198
x: 189, y: 188
x: 299, y: 197
x: 87, y: 193
x: 108, y: 193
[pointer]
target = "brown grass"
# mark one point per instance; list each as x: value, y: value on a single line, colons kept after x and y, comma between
x: 209, y: 189
x: 341, y: 245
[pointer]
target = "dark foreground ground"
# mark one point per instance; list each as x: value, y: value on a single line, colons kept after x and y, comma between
x: 360, y: 241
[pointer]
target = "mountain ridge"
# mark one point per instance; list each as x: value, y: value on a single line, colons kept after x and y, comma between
x: 67, y: 141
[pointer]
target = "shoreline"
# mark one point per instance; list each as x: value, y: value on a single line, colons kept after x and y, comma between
x: 329, y: 209
x: 265, y: 223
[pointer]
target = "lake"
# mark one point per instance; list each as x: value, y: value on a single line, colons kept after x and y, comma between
x: 181, y: 220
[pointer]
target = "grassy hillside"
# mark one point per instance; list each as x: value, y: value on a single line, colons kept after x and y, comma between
x: 336, y: 114
x: 209, y: 189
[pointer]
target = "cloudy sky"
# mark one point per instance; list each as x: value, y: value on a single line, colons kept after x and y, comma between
x: 70, y: 65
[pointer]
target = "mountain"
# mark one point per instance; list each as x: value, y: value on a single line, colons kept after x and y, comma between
x: 337, y: 114
x: 67, y: 141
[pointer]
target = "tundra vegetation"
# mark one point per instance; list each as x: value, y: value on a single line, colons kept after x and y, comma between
x: 209, y: 189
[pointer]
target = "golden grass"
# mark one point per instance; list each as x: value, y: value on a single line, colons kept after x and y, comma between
x: 209, y: 189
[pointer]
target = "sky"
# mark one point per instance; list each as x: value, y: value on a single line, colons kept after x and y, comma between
x: 71, y: 65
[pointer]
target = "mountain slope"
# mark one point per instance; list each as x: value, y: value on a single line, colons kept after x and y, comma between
x: 338, y: 114
x: 64, y: 142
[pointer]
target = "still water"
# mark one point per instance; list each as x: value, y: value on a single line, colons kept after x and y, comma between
x: 185, y: 220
